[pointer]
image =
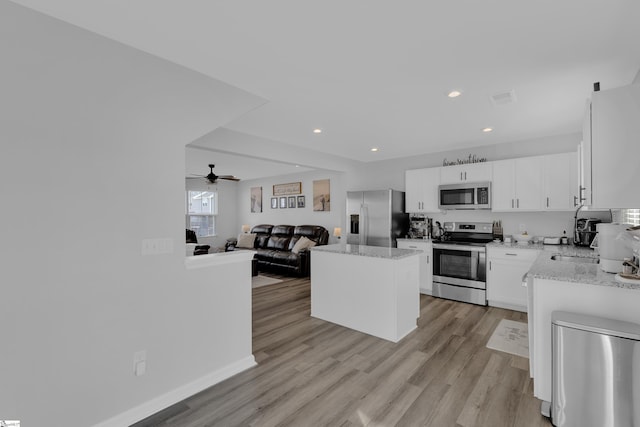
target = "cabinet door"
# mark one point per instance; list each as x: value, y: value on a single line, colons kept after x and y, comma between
x: 528, y: 183
x: 474, y: 172
x: 478, y: 172
x: 421, y: 190
x: 505, y: 269
x: 431, y: 181
x: 560, y: 182
x: 413, y: 201
x: 585, y: 159
x: 503, y: 186
x: 425, y: 273
x: 615, y: 149
x: 451, y: 174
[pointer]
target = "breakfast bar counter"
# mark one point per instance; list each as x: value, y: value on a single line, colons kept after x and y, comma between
x: 371, y: 289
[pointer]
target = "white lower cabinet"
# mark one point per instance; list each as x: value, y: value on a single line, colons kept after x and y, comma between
x: 426, y: 268
x: 505, y: 269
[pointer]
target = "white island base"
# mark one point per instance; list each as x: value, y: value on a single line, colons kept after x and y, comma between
x: 370, y: 289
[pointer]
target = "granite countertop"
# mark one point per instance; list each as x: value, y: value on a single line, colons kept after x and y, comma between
x: 568, y: 271
x: 368, y: 251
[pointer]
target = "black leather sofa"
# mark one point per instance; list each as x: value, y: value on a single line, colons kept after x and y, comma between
x: 274, y: 244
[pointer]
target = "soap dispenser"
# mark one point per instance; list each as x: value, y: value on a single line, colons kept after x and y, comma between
x: 565, y: 239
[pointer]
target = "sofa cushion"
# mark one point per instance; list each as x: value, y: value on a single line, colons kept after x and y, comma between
x: 246, y: 240
x: 286, y: 258
x: 280, y: 243
x: 262, y: 232
x: 302, y: 243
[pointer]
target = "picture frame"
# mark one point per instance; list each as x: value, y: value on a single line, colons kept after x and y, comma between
x: 292, y: 202
x: 287, y: 189
x: 274, y: 203
x: 256, y: 199
x: 283, y: 202
x: 322, y: 195
x: 301, y: 203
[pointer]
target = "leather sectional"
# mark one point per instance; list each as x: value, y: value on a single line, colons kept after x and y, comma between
x: 274, y: 244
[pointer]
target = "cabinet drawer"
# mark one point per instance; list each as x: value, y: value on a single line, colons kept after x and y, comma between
x: 513, y: 254
x: 418, y: 245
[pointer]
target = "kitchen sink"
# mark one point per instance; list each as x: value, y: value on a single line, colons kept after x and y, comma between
x: 578, y: 259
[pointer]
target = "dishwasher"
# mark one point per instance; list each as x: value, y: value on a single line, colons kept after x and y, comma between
x: 595, y: 371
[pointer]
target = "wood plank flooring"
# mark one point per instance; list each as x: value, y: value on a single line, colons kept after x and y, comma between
x: 314, y: 373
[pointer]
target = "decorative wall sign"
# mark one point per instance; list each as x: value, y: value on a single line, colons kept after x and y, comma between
x: 287, y: 189
x: 471, y: 159
x: 256, y: 199
x: 321, y: 195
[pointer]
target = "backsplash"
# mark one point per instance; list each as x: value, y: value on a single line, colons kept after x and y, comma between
x: 534, y: 223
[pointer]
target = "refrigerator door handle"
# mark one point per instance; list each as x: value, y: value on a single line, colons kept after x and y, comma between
x: 364, y: 219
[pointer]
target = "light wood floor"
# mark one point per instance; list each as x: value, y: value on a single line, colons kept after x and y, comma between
x: 314, y: 373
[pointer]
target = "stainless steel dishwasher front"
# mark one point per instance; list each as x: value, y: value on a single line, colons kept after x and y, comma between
x: 595, y: 371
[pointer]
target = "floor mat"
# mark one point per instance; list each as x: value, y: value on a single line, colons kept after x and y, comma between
x: 511, y: 337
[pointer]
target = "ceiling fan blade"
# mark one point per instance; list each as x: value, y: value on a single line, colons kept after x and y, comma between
x: 228, y: 177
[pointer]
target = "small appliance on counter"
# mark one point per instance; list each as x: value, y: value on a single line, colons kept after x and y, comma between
x: 612, y: 250
x: 419, y: 227
x: 551, y: 241
x: 585, y: 231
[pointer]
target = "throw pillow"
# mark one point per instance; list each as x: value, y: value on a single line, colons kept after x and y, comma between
x: 246, y: 240
x: 302, y: 243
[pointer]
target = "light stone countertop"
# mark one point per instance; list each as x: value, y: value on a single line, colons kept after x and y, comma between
x: 568, y: 271
x: 368, y: 251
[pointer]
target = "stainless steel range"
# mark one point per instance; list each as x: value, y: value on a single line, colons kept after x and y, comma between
x: 459, y: 262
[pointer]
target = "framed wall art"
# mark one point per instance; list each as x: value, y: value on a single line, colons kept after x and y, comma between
x: 274, y: 203
x: 283, y: 202
x: 256, y: 199
x: 321, y: 195
x: 301, y: 201
x: 292, y: 201
x: 287, y: 189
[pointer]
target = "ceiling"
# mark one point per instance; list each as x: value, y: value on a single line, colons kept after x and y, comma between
x: 377, y: 73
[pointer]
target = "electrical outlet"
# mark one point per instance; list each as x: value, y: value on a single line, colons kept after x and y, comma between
x: 139, y: 363
x: 157, y: 246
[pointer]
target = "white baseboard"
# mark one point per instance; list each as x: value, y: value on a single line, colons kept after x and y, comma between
x: 159, y: 403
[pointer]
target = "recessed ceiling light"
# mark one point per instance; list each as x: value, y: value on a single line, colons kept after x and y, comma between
x: 374, y: 149
x: 317, y: 130
x: 297, y: 166
x: 486, y: 130
x: 454, y: 94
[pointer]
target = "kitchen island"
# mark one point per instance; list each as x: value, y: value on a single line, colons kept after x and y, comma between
x: 371, y: 289
x: 572, y: 286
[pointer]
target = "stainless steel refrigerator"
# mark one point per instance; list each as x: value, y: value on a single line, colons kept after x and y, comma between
x: 376, y: 218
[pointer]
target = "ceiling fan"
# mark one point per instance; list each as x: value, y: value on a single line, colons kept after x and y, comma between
x: 212, y: 177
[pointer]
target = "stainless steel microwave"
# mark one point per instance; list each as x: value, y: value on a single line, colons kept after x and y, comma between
x: 469, y: 195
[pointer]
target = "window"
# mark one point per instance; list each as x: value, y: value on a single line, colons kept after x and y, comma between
x: 630, y: 216
x: 202, y: 208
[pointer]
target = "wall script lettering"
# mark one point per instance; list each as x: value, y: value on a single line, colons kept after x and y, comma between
x: 471, y: 159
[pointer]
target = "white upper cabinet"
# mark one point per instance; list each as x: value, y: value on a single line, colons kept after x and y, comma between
x: 614, y: 148
x: 560, y: 175
x: 517, y: 184
x: 421, y: 190
x: 473, y: 172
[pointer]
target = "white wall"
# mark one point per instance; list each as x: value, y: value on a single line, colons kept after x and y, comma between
x: 297, y: 216
x: 96, y: 132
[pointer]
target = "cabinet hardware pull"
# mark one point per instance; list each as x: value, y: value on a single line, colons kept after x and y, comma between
x: 512, y: 204
x: 511, y: 254
x: 489, y: 265
x: 518, y: 203
x: 465, y: 176
x: 461, y: 176
x: 547, y: 202
x: 575, y: 201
